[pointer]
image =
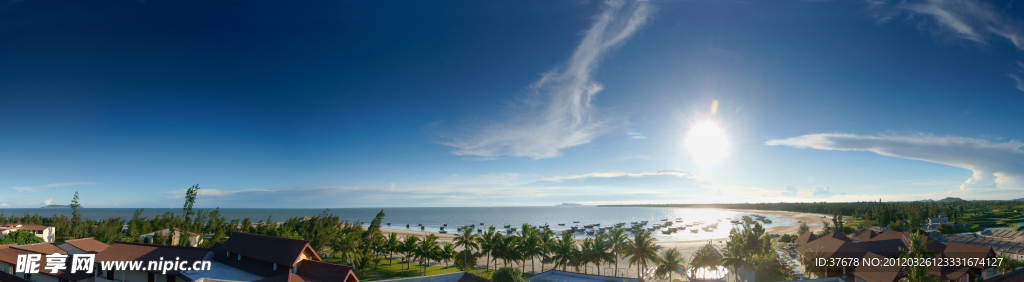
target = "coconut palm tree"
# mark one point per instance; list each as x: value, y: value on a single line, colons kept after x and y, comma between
x: 487, y: 243
x: 670, y: 261
x: 810, y: 265
x: 641, y: 251
x: 767, y: 267
x: 734, y: 259
x: 447, y: 252
x: 563, y: 250
x: 601, y: 252
x: 466, y: 239
x: 391, y: 245
x: 531, y: 247
x: 507, y: 248
x: 427, y: 250
x: 703, y: 259
x: 547, y: 242
x: 408, y: 247
x: 618, y: 239
x: 583, y: 256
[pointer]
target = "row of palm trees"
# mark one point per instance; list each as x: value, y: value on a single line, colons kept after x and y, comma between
x: 746, y: 250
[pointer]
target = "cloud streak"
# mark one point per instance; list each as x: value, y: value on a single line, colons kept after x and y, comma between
x: 995, y: 165
x: 558, y: 112
x: 53, y: 185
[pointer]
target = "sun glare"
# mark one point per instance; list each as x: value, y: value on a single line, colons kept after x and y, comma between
x: 707, y: 142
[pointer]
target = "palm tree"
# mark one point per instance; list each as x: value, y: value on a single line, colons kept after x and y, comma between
x: 427, y: 250
x: 583, y: 256
x: 531, y: 247
x: 767, y: 267
x: 466, y: 239
x: 619, y: 239
x: 486, y: 244
x: 734, y: 259
x: 547, y: 242
x: 641, y: 251
x: 345, y: 245
x: 409, y: 248
x: 601, y: 252
x: 703, y: 259
x: 563, y: 250
x: 669, y: 262
x: 447, y: 252
x: 508, y: 249
x: 391, y: 245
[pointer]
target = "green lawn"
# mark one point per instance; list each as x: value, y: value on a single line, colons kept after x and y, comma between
x: 397, y: 269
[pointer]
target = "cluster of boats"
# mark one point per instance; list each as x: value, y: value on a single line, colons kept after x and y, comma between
x: 667, y: 226
x: 749, y: 219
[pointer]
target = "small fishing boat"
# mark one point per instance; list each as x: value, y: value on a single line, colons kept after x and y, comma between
x: 694, y: 230
x: 561, y: 224
x: 389, y: 224
x: 591, y: 232
x: 443, y: 232
x: 508, y: 225
x: 445, y: 225
x: 423, y: 228
x: 575, y: 221
x: 407, y: 225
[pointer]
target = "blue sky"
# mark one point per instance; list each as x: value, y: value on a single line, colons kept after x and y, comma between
x: 295, y: 104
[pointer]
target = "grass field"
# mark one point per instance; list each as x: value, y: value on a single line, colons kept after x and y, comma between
x: 397, y: 269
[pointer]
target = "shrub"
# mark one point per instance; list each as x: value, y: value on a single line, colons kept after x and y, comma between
x: 465, y: 260
x: 20, y: 237
x: 507, y: 274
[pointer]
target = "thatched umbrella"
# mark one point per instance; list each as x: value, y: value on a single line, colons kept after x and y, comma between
x: 477, y: 254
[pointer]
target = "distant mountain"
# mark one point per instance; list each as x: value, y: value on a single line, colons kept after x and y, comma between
x: 951, y: 199
x: 569, y: 205
x: 57, y: 207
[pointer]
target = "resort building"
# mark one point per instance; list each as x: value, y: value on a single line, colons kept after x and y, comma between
x: 868, y: 244
x: 174, y: 233
x: 1008, y: 246
x: 47, y: 233
x: 9, y: 259
x: 244, y: 257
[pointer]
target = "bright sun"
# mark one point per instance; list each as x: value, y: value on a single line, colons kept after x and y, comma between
x: 707, y: 142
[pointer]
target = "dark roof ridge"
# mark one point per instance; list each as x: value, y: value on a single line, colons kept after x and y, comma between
x: 269, y: 237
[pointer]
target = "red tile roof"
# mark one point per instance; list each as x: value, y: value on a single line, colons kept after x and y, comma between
x: 29, y: 227
x: 42, y: 248
x: 958, y: 250
x: 124, y: 251
x: 87, y: 244
x: 807, y: 237
x: 267, y: 248
x: 864, y: 235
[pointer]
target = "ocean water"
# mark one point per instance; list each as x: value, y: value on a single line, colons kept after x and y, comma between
x: 434, y: 218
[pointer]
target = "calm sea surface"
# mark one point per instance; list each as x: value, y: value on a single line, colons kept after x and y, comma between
x: 433, y: 218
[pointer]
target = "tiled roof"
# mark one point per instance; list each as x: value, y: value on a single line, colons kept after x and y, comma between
x: 247, y: 264
x: 1012, y: 276
x: 42, y: 248
x: 124, y: 251
x: 267, y: 248
x: 807, y: 237
x: 959, y: 250
x: 864, y: 235
x: 832, y: 245
x: 9, y: 255
x: 189, y: 232
x: 88, y: 244
x: 878, y: 272
x: 288, y: 277
x: 891, y: 235
x: 326, y: 271
x: 11, y: 278
x: 947, y: 273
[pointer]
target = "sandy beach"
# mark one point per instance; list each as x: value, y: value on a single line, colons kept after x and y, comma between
x: 687, y: 248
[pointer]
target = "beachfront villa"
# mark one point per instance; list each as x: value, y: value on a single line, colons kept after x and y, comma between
x: 47, y: 233
x: 244, y: 257
x: 871, y: 244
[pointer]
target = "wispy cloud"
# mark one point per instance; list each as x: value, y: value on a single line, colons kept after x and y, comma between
x: 54, y: 185
x: 976, y: 21
x: 4, y: 205
x: 48, y: 202
x: 558, y: 112
x: 995, y: 165
x: 789, y: 191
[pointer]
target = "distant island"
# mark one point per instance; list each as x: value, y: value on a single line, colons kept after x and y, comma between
x: 951, y: 199
x: 57, y: 207
x: 569, y: 205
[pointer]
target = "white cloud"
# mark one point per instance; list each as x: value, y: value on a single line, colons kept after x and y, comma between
x: 4, y: 205
x: 964, y: 19
x: 1020, y: 83
x: 821, y: 191
x: 558, y: 113
x: 789, y: 191
x: 48, y: 202
x: 53, y: 185
x: 995, y: 165
x: 392, y: 186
